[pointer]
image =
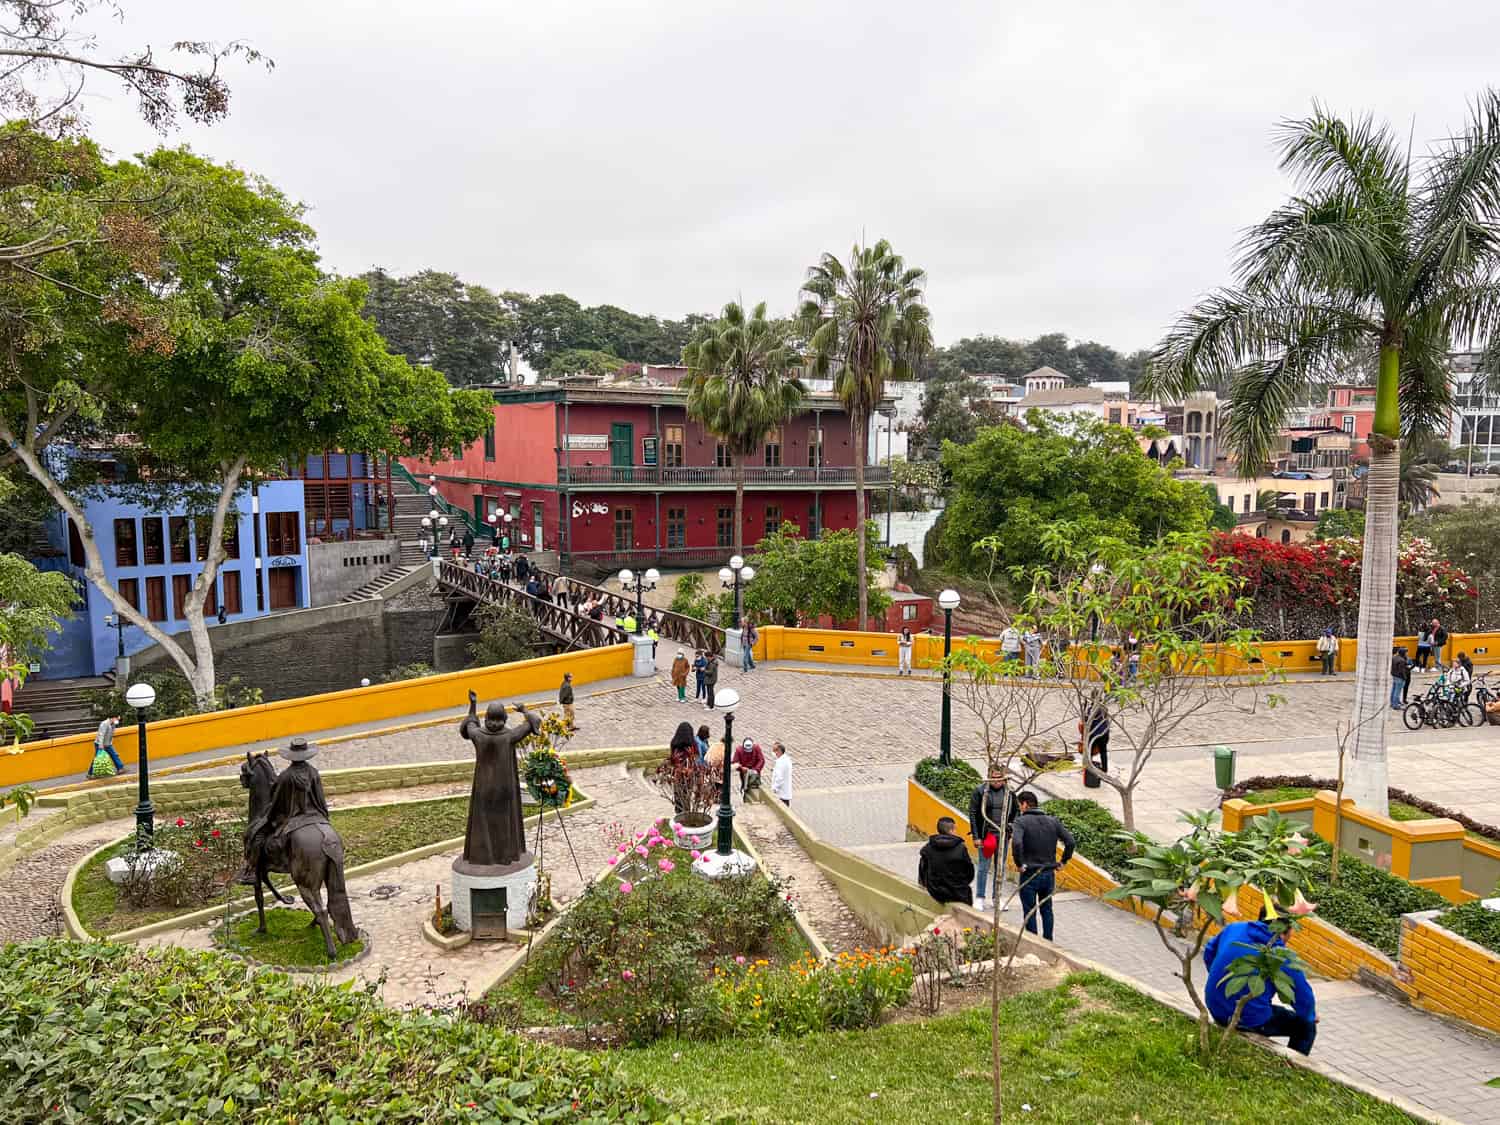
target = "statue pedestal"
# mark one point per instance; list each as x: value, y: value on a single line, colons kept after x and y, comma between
x: 515, y: 879
x: 645, y: 663
x: 719, y: 866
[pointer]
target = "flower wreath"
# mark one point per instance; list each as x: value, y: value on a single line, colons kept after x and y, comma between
x: 546, y: 777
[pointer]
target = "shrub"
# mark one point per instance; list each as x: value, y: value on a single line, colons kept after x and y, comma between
x: 174, y: 697
x: 506, y: 633
x: 209, y: 849
x: 852, y: 991
x: 1475, y: 921
x: 954, y: 783
x: 413, y: 671
x: 206, y: 1038
x: 1368, y: 902
x: 1307, y: 781
x: 1094, y: 830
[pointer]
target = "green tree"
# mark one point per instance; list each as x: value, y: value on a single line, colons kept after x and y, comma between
x: 947, y: 413
x: 1376, y: 254
x: 740, y: 387
x: 865, y: 323
x: 506, y: 633
x: 175, y: 696
x: 799, y: 579
x: 218, y: 329
x: 1010, y: 485
x: 32, y: 605
x: 1418, y: 487
x: 436, y: 320
x: 1335, y: 523
x: 1469, y: 535
x: 1222, y: 517
x: 582, y: 361
x: 692, y: 598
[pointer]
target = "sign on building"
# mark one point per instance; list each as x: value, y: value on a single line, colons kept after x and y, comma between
x: 586, y: 441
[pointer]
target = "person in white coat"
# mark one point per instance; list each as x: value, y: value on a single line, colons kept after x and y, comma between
x: 781, y: 774
x: 903, y: 650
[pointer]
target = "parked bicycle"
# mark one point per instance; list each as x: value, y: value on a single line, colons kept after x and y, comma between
x: 1441, y: 707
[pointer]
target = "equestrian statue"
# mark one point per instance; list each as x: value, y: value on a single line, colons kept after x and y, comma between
x: 289, y: 832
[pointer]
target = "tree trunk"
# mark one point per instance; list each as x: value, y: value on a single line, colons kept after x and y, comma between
x: 739, y: 506
x: 1127, y: 809
x: 1368, y: 766
x: 203, y: 677
x: 857, y: 421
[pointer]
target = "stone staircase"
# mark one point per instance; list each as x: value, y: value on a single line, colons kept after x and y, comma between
x: 410, y: 508
x: 375, y: 587
x: 60, y: 707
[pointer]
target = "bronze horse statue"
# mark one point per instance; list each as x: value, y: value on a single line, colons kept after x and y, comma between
x: 311, y: 853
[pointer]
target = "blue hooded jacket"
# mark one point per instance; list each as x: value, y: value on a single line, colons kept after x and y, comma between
x: 1229, y: 945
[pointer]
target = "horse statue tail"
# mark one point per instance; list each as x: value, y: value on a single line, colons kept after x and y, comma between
x: 338, y: 894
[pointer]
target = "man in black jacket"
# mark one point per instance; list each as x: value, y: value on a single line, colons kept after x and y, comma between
x: 943, y: 867
x: 1034, y: 845
x: 987, y: 810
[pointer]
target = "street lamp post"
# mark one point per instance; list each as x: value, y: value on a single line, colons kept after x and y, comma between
x: 142, y: 696
x: 948, y: 600
x: 640, y: 583
x: 734, y: 576
x: 727, y: 699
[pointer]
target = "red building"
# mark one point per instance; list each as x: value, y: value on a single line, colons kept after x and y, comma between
x: 618, y: 473
x: 1350, y: 408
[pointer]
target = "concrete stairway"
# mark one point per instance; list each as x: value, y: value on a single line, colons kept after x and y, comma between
x: 375, y: 587
x: 410, y: 508
x: 60, y: 707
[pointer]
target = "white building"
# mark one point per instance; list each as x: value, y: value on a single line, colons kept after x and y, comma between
x: 1476, y: 414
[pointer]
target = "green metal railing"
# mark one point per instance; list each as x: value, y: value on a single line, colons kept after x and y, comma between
x: 443, y: 506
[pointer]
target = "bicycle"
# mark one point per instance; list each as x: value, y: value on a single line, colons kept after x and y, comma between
x: 1440, y: 707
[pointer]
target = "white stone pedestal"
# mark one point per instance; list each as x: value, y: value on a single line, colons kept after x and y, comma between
x: 718, y: 866
x: 157, y: 859
x: 645, y: 663
x: 732, y: 656
x: 517, y: 879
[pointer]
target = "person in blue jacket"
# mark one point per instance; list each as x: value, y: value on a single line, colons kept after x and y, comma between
x: 1299, y: 1024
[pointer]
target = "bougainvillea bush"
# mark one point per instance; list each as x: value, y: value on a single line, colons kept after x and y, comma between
x: 1299, y: 589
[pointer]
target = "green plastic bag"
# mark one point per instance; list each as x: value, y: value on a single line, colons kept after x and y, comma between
x: 103, y: 765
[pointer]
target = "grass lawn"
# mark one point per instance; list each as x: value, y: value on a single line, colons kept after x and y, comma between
x: 1400, y: 810
x: 369, y: 833
x: 288, y: 940
x: 1089, y: 1050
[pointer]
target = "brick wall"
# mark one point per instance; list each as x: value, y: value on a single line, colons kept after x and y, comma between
x: 1449, y: 974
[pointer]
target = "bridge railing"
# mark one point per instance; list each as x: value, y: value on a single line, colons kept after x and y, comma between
x: 687, y: 631
x: 573, y: 629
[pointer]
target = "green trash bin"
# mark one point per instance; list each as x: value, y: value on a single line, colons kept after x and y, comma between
x: 1223, y: 767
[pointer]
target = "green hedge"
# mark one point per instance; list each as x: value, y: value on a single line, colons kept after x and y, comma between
x: 953, y: 783
x: 97, y: 1032
x: 1368, y: 903
x: 1093, y: 828
x: 1475, y: 921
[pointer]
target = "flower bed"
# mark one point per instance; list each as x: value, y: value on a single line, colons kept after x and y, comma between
x: 954, y: 783
x: 1289, y: 787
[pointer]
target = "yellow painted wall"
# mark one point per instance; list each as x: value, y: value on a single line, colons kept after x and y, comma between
x: 284, y: 718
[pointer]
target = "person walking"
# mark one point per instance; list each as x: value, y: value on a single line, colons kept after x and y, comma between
x: 1034, y: 846
x: 1095, y: 730
x: 1400, y: 670
x: 1424, y: 645
x: 104, y: 742
x: 699, y: 664
x: 1439, y: 643
x: 781, y: 774
x: 455, y: 544
x: 679, y: 675
x: 425, y: 545
x: 747, y: 643
x: 565, y: 699
x: 1260, y: 1015
x: 522, y: 568
x: 710, y: 677
x: 1406, y: 683
x: 903, y: 652
x: 1010, y: 643
x: 993, y: 812
x: 1328, y: 650
x: 468, y: 543
x: 749, y: 763
x: 1031, y: 647
x: 943, y: 865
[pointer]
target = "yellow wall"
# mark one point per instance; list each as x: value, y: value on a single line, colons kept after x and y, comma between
x: 217, y: 730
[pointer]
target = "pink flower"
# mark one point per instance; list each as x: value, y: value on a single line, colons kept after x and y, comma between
x: 1191, y: 894
x: 640, y: 849
x: 1232, y: 903
x: 666, y: 865
x: 626, y: 888
x: 1295, y: 843
x: 1300, y: 906
x: 739, y: 959
x: 1383, y: 862
x: 623, y: 848
x: 215, y: 833
x: 197, y: 843
x: 677, y: 830
x: 696, y: 853
x: 705, y: 857
x: 627, y: 975
x: 612, y: 860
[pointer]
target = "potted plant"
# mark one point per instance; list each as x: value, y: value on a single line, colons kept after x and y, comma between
x: 693, y: 789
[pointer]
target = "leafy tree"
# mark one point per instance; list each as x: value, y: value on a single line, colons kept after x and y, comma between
x: 740, y: 387
x: 692, y: 598
x: 583, y: 361
x: 506, y: 633
x: 799, y: 579
x: 1335, y: 523
x: 947, y: 413
x: 174, y: 696
x: 1222, y: 518
x: 1011, y: 484
x: 865, y: 322
x: 413, y: 671
x: 1470, y: 536
x: 436, y: 320
x: 32, y: 603
x: 217, y: 330
x: 1376, y: 254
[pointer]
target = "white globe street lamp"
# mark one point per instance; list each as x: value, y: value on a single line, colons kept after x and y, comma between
x: 948, y: 600
x: 142, y: 696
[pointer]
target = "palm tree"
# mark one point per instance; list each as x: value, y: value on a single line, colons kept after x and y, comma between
x: 865, y: 322
x: 741, y: 386
x: 1418, y: 487
x: 1380, y: 260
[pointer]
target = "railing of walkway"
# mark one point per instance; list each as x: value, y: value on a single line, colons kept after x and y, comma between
x: 573, y: 629
x: 688, y: 631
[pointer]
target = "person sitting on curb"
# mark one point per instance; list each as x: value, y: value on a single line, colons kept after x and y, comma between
x: 1299, y: 1024
x: 749, y: 762
x: 943, y: 866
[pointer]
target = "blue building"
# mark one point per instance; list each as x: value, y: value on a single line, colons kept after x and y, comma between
x: 152, y: 556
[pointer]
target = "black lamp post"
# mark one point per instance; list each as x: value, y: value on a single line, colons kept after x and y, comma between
x: 734, y: 576
x: 117, y: 622
x: 728, y: 699
x: 640, y: 583
x: 948, y: 600
x: 142, y: 696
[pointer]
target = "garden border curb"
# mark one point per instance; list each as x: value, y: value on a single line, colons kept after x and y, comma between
x: 192, y: 919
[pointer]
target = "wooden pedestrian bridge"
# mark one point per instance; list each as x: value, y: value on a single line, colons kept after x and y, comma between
x: 465, y: 589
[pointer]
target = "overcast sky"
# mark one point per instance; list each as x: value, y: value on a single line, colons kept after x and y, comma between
x: 1062, y: 166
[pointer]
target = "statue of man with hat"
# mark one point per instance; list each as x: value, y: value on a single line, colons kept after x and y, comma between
x: 494, y: 836
x: 297, y: 799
